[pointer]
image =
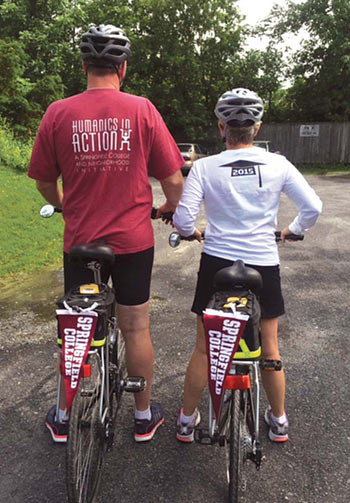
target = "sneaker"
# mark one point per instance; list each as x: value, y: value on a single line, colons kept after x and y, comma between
x: 185, y: 432
x: 58, y: 430
x: 144, y: 428
x: 277, y: 432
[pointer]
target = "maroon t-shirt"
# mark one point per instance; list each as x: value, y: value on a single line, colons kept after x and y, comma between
x: 105, y: 143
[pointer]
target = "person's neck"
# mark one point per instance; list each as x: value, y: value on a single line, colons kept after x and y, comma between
x: 237, y: 147
x: 106, y: 82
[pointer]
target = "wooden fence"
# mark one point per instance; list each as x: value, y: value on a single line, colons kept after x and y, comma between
x: 324, y: 142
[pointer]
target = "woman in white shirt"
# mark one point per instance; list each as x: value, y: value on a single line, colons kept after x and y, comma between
x: 241, y: 190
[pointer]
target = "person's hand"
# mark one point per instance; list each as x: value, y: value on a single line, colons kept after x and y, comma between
x: 284, y: 233
x: 197, y: 235
x: 165, y: 212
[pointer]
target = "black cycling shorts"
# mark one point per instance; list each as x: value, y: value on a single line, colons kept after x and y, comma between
x: 130, y: 273
x: 271, y: 299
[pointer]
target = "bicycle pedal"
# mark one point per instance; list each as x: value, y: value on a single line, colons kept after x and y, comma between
x: 202, y: 437
x: 134, y: 384
x: 86, y: 393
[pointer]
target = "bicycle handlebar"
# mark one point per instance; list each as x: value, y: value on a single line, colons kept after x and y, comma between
x: 166, y: 217
x: 175, y: 238
x: 289, y: 237
x: 175, y: 241
x: 48, y: 210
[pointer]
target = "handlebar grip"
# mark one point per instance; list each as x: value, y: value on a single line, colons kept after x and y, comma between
x: 58, y: 210
x: 289, y: 237
x: 187, y: 238
x: 167, y: 217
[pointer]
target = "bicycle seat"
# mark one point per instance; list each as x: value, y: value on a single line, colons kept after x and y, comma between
x: 238, y: 276
x: 92, y: 251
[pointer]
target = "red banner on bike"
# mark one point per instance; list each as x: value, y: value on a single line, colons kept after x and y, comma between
x: 223, y: 332
x: 77, y: 331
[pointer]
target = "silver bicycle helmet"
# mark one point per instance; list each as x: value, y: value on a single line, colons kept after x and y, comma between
x: 241, y: 106
x: 105, y: 45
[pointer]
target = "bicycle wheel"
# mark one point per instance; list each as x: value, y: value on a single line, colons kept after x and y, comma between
x: 235, y: 445
x: 121, y: 366
x: 86, y: 438
x: 117, y: 373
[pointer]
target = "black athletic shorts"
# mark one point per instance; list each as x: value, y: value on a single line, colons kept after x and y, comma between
x: 131, y: 276
x: 271, y: 299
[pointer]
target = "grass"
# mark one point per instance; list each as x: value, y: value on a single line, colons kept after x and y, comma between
x: 324, y: 169
x: 28, y: 242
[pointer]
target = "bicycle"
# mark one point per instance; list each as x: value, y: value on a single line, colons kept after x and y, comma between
x: 94, y: 370
x: 231, y: 323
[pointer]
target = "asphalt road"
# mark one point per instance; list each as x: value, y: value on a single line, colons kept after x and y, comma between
x: 312, y: 467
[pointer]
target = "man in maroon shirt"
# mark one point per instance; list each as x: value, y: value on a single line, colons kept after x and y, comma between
x: 104, y: 144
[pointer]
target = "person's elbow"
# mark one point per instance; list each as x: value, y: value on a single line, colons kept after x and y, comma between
x: 310, y: 215
x: 44, y: 186
x: 174, y: 181
x: 183, y: 224
x: 316, y: 208
x: 173, y: 187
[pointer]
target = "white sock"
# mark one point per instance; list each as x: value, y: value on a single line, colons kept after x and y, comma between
x: 143, y: 414
x: 187, y: 419
x: 279, y: 420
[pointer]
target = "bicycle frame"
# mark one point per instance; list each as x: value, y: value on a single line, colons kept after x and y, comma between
x: 213, y: 429
x: 253, y: 365
x: 234, y: 398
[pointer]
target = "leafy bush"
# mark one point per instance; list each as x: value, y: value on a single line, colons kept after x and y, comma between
x: 14, y: 153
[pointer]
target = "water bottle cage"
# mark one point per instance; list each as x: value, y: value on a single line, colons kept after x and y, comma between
x: 270, y: 365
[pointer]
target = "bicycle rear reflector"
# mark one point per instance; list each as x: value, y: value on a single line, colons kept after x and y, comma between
x: 237, y: 382
x: 86, y: 371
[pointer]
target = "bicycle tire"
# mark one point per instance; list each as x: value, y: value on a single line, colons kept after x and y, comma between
x: 234, y: 446
x: 86, y: 441
x: 116, y: 377
x: 121, y: 366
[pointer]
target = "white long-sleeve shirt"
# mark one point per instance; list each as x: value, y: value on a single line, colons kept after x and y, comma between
x: 241, y: 192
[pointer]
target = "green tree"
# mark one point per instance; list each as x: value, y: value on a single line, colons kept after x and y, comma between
x: 185, y: 54
x: 320, y: 70
x: 14, y: 88
x: 262, y: 71
x: 43, y: 39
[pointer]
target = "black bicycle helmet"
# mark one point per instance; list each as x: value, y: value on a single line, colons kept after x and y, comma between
x: 105, y: 45
x: 239, y: 107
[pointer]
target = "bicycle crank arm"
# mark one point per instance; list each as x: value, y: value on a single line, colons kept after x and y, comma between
x: 134, y: 384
